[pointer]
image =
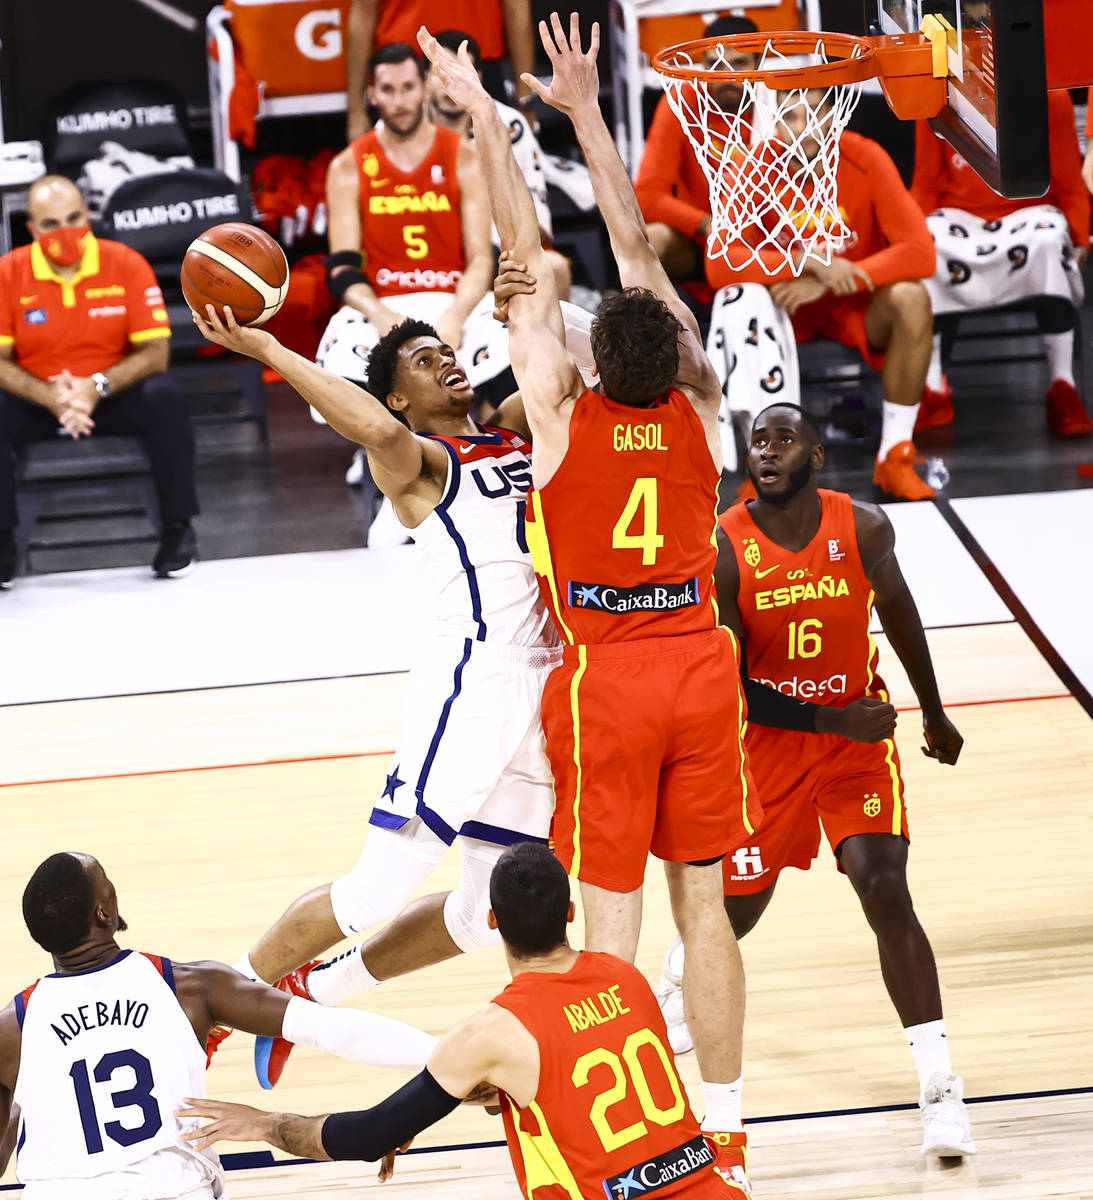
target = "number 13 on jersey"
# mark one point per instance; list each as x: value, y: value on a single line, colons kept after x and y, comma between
x: 640, y: 509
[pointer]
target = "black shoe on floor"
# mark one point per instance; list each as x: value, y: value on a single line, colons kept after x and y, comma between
x: 177, y: 551
x: 9, y: 556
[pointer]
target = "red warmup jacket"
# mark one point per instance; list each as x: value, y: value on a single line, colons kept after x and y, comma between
x: 890, y: 239
x: 670, y: 186
x: 944, y: 180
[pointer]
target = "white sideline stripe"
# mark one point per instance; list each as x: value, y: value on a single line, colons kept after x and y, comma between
x: 271, y: 296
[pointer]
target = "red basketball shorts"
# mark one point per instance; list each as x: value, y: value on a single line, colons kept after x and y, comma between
x: 842, y: 319
x: 645, y: 740
x: 805, y: 780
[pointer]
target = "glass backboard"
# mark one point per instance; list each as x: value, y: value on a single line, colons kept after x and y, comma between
x: 996, y: 115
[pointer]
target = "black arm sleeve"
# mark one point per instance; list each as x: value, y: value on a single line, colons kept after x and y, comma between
x: 373, y: 1132
x: 766, y: 706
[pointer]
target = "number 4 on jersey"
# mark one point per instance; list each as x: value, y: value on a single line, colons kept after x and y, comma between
x: 643, y: 496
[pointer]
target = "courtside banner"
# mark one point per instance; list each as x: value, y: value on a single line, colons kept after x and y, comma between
x: 291, y: 47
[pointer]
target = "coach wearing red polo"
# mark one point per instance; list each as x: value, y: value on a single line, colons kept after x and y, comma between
x: 83, y: 350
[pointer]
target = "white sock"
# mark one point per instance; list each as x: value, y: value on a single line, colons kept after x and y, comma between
x: 930, y: 1049
x: 243, y: 966
x: 724, y: 1106
x: 340, y: 979
x: 1060, y: 355
x: 898, y: 426
x: 935, y: 376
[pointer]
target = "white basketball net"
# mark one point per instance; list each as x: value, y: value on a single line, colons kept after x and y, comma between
x: 768, y: 204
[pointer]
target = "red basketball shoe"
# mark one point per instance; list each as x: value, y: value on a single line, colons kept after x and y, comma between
x: 1066, y: 414
x: 731, y: 1160
x: 212, y: 1043
x: 896, y: 474
x: 936, y: 408
x: 271, y: 1054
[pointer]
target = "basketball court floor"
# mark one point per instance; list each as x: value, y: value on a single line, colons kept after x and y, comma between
x: 217, y: 742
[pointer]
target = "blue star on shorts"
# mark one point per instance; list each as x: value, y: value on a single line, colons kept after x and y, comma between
x: 392, y: 785
x: 587, y: 595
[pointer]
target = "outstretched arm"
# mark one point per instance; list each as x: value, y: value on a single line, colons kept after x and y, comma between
x: 491, y: 1047
x: 543, y: 368
x: 898, y: 614
x: 396, y: 455
x: 574, y: 90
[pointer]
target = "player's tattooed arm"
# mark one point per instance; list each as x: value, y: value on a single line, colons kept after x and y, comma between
x: 899, y: 615
x: 865, y: 720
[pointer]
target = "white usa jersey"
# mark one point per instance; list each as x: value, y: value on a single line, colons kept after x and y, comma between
x: 474, y: 547
x: 107, y: 1058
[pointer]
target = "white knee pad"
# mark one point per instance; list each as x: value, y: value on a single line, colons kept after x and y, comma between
x: 392, y: 866
x: 466, y: 909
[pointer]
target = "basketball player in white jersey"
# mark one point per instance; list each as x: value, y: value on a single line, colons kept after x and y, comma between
x: 98, y: 1056
x: 470, y: 761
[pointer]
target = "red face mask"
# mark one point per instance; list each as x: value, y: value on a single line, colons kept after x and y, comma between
x: 63, y: 246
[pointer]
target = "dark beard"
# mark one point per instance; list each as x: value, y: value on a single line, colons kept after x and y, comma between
x: 409, y: 132
x: 797, y: 482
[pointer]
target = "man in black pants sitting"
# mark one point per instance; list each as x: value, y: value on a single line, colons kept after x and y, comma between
x: 83, y: 349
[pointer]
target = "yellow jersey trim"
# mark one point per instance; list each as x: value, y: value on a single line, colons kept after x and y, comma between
x: 575, y: 711
x: 544, y: 1166
x: 539, y: 546
x: 90, y: 264
x: 744, y: 816
x: 148, y: 335
x: 6, y: 341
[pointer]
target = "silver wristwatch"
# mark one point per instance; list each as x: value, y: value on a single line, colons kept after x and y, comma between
x: 102, y: 384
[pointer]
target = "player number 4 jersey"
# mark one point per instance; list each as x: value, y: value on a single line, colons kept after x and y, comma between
x: 806, y: 615
x: 622, y: 535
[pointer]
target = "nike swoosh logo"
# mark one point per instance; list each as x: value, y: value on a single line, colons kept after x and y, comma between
x: 764, y: 574
x: 465, y: 449
x: 27, y: 299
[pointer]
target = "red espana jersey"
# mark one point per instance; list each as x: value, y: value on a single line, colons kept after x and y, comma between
x: 610, y: 1103
x: 806, y: 615
x: 622, y: 537
x: 411, y: 231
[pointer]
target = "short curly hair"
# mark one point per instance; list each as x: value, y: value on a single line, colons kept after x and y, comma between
x: 383, y: 359
x: 635, y: 342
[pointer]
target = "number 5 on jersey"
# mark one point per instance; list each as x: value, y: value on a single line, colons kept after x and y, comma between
x: 416, y: 245
x: 641, y: 504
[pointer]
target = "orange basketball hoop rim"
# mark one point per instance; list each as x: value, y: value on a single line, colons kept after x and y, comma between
x: 909, y: 66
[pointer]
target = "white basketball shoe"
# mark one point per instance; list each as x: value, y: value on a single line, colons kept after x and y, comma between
x: 670, y: 999
x: 946, y: 1126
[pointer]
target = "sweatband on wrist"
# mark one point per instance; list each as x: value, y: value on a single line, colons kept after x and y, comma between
x: 373, y: 1132
x: 769, y: 707
x: 343, y: 270
x: 362, y: 1037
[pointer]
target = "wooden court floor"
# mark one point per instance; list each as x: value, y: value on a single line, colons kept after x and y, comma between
x: 205, y: 853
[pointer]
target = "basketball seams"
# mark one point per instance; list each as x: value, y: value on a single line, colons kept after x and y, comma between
x: 234, y: 265
x: 270, y: 293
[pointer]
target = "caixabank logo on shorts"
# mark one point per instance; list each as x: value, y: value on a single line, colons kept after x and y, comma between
x: 658, y: 1172
x: 646, y: 597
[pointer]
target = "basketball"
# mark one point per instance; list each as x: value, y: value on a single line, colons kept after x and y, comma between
x: 239, y: 266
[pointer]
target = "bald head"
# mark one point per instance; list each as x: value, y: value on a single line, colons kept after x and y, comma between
x: 58, y: 219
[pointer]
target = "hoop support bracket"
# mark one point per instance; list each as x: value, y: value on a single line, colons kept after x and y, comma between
x: 907, y: 69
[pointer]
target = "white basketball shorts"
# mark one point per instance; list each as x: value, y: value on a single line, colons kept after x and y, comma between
x: 471, y: 757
